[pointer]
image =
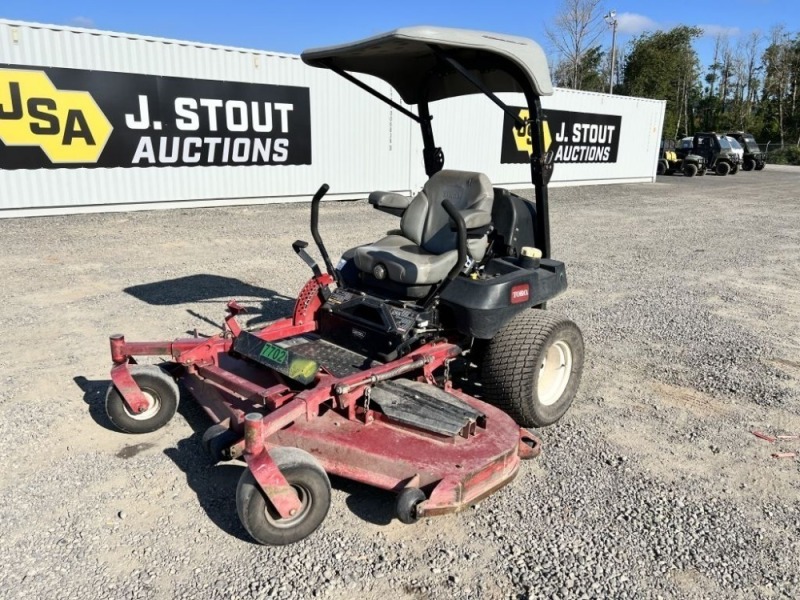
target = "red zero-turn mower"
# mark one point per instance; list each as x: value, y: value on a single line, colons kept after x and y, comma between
x: 356, y: 382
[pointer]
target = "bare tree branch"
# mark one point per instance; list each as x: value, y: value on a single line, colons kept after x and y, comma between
x: 576, y: 28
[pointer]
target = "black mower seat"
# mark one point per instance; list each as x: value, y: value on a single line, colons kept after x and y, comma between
x: 427, y: 249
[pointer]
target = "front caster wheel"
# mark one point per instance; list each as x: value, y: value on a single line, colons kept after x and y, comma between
x: 407, y: 502
x: 533, y: 367
x: 311, y: 483
x: 217, y: 442
x: 162, y: 396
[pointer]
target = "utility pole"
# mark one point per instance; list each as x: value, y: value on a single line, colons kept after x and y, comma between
x: 611, y: 19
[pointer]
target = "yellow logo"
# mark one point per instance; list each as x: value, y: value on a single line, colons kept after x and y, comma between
x: 67, y: 125
x: 302, y: 368
x: 523, y: 138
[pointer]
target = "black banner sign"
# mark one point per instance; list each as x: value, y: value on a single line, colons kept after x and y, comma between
x: 56, y: 118
x: 573, y: 137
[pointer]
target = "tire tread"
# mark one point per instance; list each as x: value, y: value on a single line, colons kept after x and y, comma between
x: 508, y: 369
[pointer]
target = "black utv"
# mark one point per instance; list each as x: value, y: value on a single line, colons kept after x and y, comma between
x: 753, y: 158
x: 716, y: 151
x: 670, y: 162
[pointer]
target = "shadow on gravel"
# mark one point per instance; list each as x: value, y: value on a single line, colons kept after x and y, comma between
x: 215, y: 485
x: 213, y: 288
x: 366, y: 502
x: 94, y: 394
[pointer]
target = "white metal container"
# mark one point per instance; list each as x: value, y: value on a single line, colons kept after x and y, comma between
x: 358, y: 144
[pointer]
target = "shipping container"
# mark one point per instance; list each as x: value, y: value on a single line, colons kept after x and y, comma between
x: 98, y: 121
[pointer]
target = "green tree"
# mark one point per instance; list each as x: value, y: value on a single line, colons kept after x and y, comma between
x: 591, y: 72
x: 780, y: 98
x: 664, y: 65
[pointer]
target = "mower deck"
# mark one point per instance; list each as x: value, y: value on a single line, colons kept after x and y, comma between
x: 454, y: 471
x: 452, y: 445
x: 360, y: 420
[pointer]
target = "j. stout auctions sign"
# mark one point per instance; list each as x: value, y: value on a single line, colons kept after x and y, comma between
x: 573, y: 137
x: 52, y: 118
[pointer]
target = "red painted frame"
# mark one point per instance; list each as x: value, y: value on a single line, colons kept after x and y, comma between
x: 326, y: 419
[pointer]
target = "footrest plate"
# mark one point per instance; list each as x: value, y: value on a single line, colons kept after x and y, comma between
x: 284, y: 361
x: 426, y: 407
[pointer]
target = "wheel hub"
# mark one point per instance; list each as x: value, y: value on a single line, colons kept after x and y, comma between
x: 297, y: 515
x: 554, y: 372
x: 153, y: 406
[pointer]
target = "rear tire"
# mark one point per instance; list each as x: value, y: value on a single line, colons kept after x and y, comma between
x: 310, y: 481
x: 761, y: 167
x: 690, y: 170
x: 749, y: 165
x: 533, y: 367
x: 661, y: 169
x: 723, y: 169
x: 161, y: 392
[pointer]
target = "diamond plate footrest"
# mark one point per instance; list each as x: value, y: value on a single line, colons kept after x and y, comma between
x: 284, y: 361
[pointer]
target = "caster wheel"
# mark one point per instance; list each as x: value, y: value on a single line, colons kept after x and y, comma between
x: 407, y: 502
x: 217, y: 441
x: 162, y: 396
x: 311, y: 483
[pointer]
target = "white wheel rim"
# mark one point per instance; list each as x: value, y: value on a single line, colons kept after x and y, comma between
x: 153, y: 406
x: 554, y: 373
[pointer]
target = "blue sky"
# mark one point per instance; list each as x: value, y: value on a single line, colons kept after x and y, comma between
x: 290, y: 26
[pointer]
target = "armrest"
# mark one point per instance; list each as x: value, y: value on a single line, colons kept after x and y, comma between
x: 474, y: 218
x: 389, y: 202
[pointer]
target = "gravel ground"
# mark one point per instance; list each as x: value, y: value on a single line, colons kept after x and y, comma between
x: 652, y: 486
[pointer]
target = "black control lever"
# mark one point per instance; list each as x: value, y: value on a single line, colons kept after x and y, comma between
x: 315, y: 201
x: 461, y: 232
x: 299, y: 246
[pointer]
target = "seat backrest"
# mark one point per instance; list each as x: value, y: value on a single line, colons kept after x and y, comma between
x: 425, y: 221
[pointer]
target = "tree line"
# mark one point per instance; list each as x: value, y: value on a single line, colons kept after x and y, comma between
x: 751, y: 84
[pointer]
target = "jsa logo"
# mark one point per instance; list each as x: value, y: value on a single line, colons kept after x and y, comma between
x: 68, y: 126
x: 523, y: 138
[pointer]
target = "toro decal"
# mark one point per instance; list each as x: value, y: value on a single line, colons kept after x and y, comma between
x: 520, y: 293
x: 66, y: 125
x: 57, y: 118
x: 573, y: 137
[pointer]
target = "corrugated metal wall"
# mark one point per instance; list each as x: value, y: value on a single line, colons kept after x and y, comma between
x: 359, y: 144
x: 356, y: 142
x: 458, y: 120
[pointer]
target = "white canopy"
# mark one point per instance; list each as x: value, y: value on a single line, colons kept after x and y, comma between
x: 404, y: 59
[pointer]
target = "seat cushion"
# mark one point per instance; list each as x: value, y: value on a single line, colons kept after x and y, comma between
x: 425, y: 221
x: 405, y: 262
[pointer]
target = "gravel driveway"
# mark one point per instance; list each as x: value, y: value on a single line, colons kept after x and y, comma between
x: 652, y: 485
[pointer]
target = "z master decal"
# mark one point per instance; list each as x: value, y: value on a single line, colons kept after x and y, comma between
x: 52, y: 118
x: 573, y: 137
